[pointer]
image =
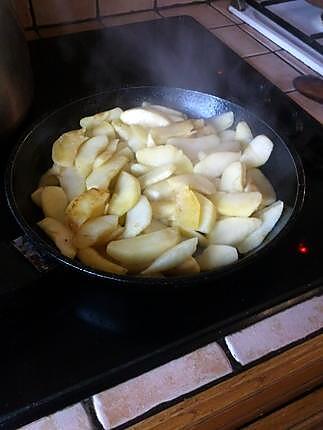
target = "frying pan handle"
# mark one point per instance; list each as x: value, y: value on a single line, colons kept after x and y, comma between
x: 21, y: 264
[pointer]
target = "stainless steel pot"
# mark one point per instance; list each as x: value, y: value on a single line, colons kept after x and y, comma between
x: 15, y: 72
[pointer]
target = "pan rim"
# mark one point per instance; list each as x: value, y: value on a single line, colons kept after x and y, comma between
x: 133, y: 281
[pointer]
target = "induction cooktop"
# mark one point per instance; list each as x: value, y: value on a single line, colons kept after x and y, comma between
x: 65, y: 337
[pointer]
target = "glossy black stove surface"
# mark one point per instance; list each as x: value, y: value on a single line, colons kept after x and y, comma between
x: 66, y: 337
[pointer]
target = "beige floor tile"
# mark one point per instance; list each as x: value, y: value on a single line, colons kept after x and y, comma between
x: 315, y: 109
x: 70, y: 28
x: 222, y: 6
x: 206, y: 15
x: 129, y: 18
x: 239, y: 41
x: 275, y: 69
x: 111, y: 7
x: 297, y: 64
x: 260, y: 37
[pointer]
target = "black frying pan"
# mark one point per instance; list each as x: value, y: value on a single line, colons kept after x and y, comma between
x: 32, y: 157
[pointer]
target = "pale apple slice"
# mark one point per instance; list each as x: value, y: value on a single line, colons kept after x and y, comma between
x: 138, y: 169
x: 227, y: 136
x: 173, y: 257
x: 154, y: 225
x: 36, y: 196
x: 150, y: 140
x: 243, y: 133
x: 188, y: 267
x: 126, y: 152
x: 160, y: 191
x: 257, y: 152
x: 165, y: 154
x: 233, y: 230
x: 95, y: 231
x: 137, y: 138
x: 203, y: 241
x: 66, y: 146
x: 177, y: 129
x: 92, y: 258
x: 269, y: 217
x: 192, y: 146
x: 88, y: 152
x: 237, y: 204
x: 144, y: 117
x: 122, y: 130
x: 157, y: 174
x: 54, y: 202
x: 213, y: 165
x: 101, y: 176
x: 207, y: 214
x: 97, y: 119
x: 164, y: 211
x: 72, y: 182
x: 87, y: 205
x: 60, y: 234
x: 188, y: 209
x: 195, y: 181
x: 233, y: 177
x: 223, y: 121
x: 164, y: 110
x: 138, y: 218
x: 105, y: 155
x: 256, y: 178
x: 105, y: 128
x: 228, y: 146
x: 144, y: 249
x: 126, y: 194
x: 215, y: 256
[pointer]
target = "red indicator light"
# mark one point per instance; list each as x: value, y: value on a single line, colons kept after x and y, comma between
x: 303, y: 249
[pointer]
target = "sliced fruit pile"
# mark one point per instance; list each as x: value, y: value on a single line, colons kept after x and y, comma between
x: 149, y: 192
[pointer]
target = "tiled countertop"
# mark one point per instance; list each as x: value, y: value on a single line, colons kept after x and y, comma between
x: 216, y: 361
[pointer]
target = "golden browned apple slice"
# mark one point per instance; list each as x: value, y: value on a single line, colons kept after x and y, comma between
x: 50, y: 177
x: 60, y: 234
x: 207, y: 214
x: 237, y: 204
x: 54, y: 202
x: 36, y: 196
x: 95, y: 231
x: 126, y: 194
x: 88, y: 152
x: 173, y: 257
x: 187, y: 209
x: 66, y: 146
x: 233, y: 230
x: 138, y: 218
x: 142, y: 250
x: 90, y: 257
x: 101, y: 176
x: 215, y: 256
x: 89, y: 204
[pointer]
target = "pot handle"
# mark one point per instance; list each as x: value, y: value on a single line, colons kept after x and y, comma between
x: 21, y: 264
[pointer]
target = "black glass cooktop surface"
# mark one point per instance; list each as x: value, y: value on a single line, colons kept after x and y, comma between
x: 66, y: 337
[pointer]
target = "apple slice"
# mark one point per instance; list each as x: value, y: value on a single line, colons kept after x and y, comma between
x: 177, y: 129
x: 165, y: 154
x: 215, y: 256
x: 188, y: 267
x: 237, y: 204
x: 95, y: 231
x: 192, y: 146
x: 203, y: 241
x: 232, y: 230
x: 269, y: 217
x: 98, y: 118
x: 165, y: 110
x: 105, y: 128
x: 72, y: 182
x: 36, y: 196
x: 213, y: 165
x: 160, y: 191
x: 144, y: 249
x: 207, y: 214
x: 144, y: 117
x: 92, y: 258
x: 223, y: 121
x: 188, y: 209
x: 137, y: 138
x: 154, y: 225
x: 105, y: 155
x: 164, y: 211
x: 60, y: 234
x: 54, y: 202
x: 256, y: 178
x: 243, y: 133
x: 157, y: 174
x: 66, y: 146
x: 101, y: 176
x: 50, y: 177
x: 257, y: 152
x: 88, y: 153
x: 233, y: 177
x: 195, y: 181
x: 126, y: 194
x: 173, y: 257
x: 138, y: 218
x: 138, y: 169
